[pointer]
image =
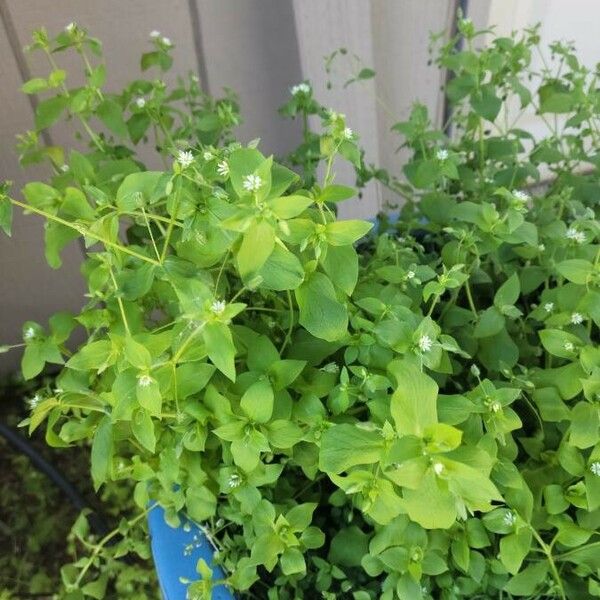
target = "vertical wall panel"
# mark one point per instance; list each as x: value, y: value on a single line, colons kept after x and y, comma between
x: 124, y: 29
x: 322, y: 28
x: 401, y: 39
x: 29, y: 289
x: 251, y: 47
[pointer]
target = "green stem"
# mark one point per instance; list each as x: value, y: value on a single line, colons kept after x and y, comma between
x: 288, y: 335
x: 105, y: 541
x: 470, y: 299
x: 187, y: 342
x: 85, y: 232
x: 548, y: 552
x: 119, y: 301
x: 171, y: 222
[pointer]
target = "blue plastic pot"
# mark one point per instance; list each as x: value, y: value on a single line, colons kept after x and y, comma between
x: 176, y: 552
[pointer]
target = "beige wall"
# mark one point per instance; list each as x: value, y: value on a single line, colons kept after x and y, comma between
x: 259, y: 48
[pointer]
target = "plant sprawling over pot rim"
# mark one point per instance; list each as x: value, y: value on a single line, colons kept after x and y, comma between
x: 416, y: 419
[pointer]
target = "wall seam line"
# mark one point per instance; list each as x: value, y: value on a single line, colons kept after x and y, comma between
x: 198, y: 45
x: 21, y: 62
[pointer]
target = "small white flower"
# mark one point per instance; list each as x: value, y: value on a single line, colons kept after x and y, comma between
x: 577, y: 318
x: 70, y: 28
x: 29, y: 333
x: 348, y: 133
x: 140, y: 102
x: 154, y: 34
x: 495, y: 406
x: 330, y: 368
x: 223, y: 168
x: 574, y: 234
x: 301, y: 88
x: 541, y: 247
x: 410, y: 275
x: 438, y: 468
x: 218, y: 307
x: 442, y: 154
x: 185, y: 158
x: 595, y: 468
x: 475, y: 371
x: 509, y: 518
x: 208, y: 155
x: 569, y: 347
x: 425, y: 343
x: 166, y: 42
x: 145, y: 380
x: 64, y: 168
x: 549, y: 307
x: 234, y: 481
x: 252, y: 183
x: 33, y: 402
x: 521, y: 197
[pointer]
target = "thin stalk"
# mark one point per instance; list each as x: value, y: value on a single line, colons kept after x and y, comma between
x: 171, y: 223
x: 548, y: 552
x: 80, y: 229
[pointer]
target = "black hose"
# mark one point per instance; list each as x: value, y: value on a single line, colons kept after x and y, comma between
x: 24, y: 446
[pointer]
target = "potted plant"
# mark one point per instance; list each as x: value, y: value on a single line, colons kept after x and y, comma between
x: 418, y: 419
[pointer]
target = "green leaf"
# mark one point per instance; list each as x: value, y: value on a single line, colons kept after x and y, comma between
x: 148, y: 395
x: 348, y: 546
x: 490, y: 323
x: 35, y: 85
x: 321, y: 314
x: 257, y: 401
x: 555, y: 97
x: 137, y: 354
x: 281, y: 271
x: 137, y: 189
x: 40, y: 195
x: 220, y: 348
x: 344, y: 446
x: 485, y: 102
x: 528, y: 580
x: 200, y: 503
x: 32, y: 362
x: 414, y: 403
x: 288, y: 207
x: 585, y: 424
x: 508, y: 292
x: 193, y: 377
x: 336, y: 193
x: 75, y: 205
x: 431, y: 505
x: 6, y: 214
x: 292, y: 562
x: 559, y: 343
x: 143, y: 429
x: 48, y: 111
x: 94, y: 356
x: 576, y: 270
x: 342, y: 233
x: 101, y: 454
x: 341, y: 264
x: 111, y: 114
x: 243, y: 162
x: 514, y: 548
x: 56, y: 237
x: 257, y: 244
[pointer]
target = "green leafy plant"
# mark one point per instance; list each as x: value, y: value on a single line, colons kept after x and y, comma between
x: 415, y: 419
